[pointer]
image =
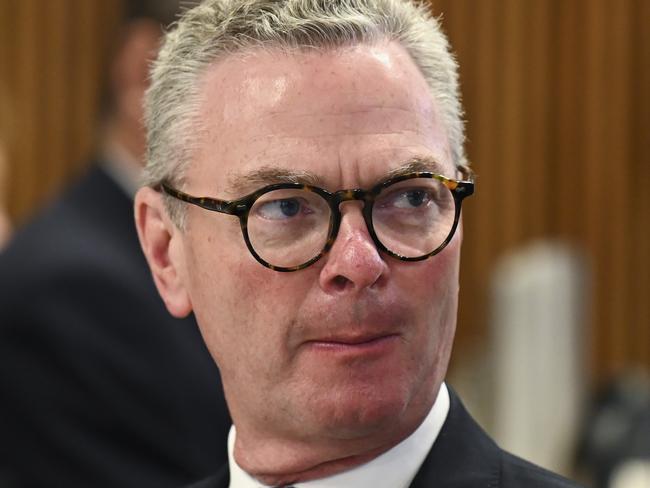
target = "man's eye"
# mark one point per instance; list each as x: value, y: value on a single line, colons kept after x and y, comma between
x: 282, y: 209
x: 411, y: 199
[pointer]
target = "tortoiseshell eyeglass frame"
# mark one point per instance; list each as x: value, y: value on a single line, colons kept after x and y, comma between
x: 460, y: 189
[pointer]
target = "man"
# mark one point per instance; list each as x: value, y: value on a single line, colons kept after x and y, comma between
x: 99, y: 386
x: 305, y: 175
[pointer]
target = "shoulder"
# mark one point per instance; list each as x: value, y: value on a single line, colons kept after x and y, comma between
x: 464, y: 456
x: 516, y: 472
x: 78, y: 262
x: 87, y: 231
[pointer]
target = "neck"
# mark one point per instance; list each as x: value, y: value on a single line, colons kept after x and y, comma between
x: 280, y: 460
x: 5, y: 227
x: 285, y: 465
x: 129, y: 135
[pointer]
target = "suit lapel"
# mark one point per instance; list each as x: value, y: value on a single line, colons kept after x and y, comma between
x: 219, y: 480
x: 463, y: 456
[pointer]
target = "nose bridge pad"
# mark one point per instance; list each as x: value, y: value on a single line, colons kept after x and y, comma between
x: 356, y: 262
x: 353, y: 196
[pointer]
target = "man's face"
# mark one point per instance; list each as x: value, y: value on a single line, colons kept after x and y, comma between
x: 356, y: 345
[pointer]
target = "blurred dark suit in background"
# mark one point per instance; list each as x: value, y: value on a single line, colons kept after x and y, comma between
x: 99, y: 386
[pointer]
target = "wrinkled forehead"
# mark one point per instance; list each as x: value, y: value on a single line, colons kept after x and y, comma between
x: 272, y: 106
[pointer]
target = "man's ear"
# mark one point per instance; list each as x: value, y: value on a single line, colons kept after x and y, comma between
x: 162, y: 244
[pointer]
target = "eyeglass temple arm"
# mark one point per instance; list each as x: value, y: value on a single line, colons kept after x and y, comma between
x: 214, y: 204
x: 465, y: 187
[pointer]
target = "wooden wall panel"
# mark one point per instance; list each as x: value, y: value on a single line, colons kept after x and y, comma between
x: 640, y: 180
x: 558, y: 110
x: 53, y: 56
x: 556, y: 95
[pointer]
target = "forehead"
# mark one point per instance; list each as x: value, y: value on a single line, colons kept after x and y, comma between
x: 339, y: 114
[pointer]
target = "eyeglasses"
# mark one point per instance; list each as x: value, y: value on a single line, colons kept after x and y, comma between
x: 289, y: 226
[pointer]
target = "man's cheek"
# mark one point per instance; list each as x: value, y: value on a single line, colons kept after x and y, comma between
x: 436, y: 278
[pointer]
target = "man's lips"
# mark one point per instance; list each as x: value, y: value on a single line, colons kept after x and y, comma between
x: 353, y: 324
x: 364, y: 343
x: 353, y: 339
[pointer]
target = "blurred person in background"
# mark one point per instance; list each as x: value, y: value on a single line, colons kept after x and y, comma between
x: 99, y: 386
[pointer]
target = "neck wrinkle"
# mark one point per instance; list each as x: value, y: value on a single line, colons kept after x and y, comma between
x: 315, y: 469
x: 274, y: 463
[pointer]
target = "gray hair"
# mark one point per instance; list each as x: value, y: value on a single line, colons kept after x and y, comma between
x: 217, y: 28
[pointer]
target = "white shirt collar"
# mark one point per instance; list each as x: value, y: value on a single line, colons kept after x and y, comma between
x: 396, y: 468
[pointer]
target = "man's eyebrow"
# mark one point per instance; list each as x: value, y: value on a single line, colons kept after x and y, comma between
x: 243, y: 183
x: 417, y: 164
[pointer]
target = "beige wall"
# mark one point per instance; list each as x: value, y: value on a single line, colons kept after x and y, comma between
x: 558, y: 109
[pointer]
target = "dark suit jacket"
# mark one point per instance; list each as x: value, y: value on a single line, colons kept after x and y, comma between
x: 463, y: 456
x: 99, y: 385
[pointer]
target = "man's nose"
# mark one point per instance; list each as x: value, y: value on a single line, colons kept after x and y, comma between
x: 353, y: 263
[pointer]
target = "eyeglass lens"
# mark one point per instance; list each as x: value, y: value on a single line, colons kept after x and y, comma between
x: 411, y: 218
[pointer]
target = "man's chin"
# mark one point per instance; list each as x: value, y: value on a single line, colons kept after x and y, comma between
x: 359, y: 413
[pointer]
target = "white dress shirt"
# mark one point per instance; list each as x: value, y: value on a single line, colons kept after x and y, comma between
x: 395, y: 468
